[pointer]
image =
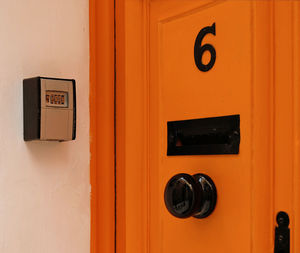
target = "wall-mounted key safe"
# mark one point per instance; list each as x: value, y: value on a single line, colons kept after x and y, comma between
x: 49, y: 109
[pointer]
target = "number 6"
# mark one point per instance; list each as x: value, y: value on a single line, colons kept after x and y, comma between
x: 199, y: 49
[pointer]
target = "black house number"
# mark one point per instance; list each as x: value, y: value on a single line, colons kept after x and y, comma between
x: 199, y: 49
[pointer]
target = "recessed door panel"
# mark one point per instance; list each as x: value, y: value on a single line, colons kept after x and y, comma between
x: 195, y: 60
x: 182, y: 91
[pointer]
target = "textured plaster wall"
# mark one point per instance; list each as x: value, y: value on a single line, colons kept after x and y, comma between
x: 44, y: 186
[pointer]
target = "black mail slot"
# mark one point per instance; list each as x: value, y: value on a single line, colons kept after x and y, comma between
x: 207, y: 136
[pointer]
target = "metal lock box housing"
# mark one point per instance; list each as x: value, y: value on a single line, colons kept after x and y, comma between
x: 49, y: 109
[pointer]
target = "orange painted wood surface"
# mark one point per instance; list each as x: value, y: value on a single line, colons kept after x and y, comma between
x: 102, y: 74
x: 256, y: 75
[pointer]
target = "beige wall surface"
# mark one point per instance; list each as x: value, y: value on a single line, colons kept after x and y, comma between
x: 44, y: 186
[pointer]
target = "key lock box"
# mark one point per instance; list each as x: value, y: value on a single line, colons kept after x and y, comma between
x: 49, y: 109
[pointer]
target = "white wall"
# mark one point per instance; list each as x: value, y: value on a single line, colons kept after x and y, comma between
x: 44, y: 187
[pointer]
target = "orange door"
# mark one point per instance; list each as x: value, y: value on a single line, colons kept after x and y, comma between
x: 186, y: 60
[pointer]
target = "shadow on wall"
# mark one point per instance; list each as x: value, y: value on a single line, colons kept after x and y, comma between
x: 50, y: 153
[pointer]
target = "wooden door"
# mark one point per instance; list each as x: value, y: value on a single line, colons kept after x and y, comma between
x: 254, y: 75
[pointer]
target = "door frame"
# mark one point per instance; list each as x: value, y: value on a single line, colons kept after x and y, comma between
x: 132, y: 128
x: 102, y: 125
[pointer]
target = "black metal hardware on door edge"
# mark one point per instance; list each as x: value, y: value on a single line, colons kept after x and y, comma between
x: 187, y: 195
x: 282, y: 233
x: 207, y: 136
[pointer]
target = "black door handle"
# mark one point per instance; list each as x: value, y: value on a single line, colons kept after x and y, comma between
x: 187, y: 195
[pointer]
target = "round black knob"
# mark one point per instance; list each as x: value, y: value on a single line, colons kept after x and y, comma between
x: 187, y: 195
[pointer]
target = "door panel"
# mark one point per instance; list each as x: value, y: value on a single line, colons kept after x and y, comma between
x: 180, y: 91
x: 158, y: 81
